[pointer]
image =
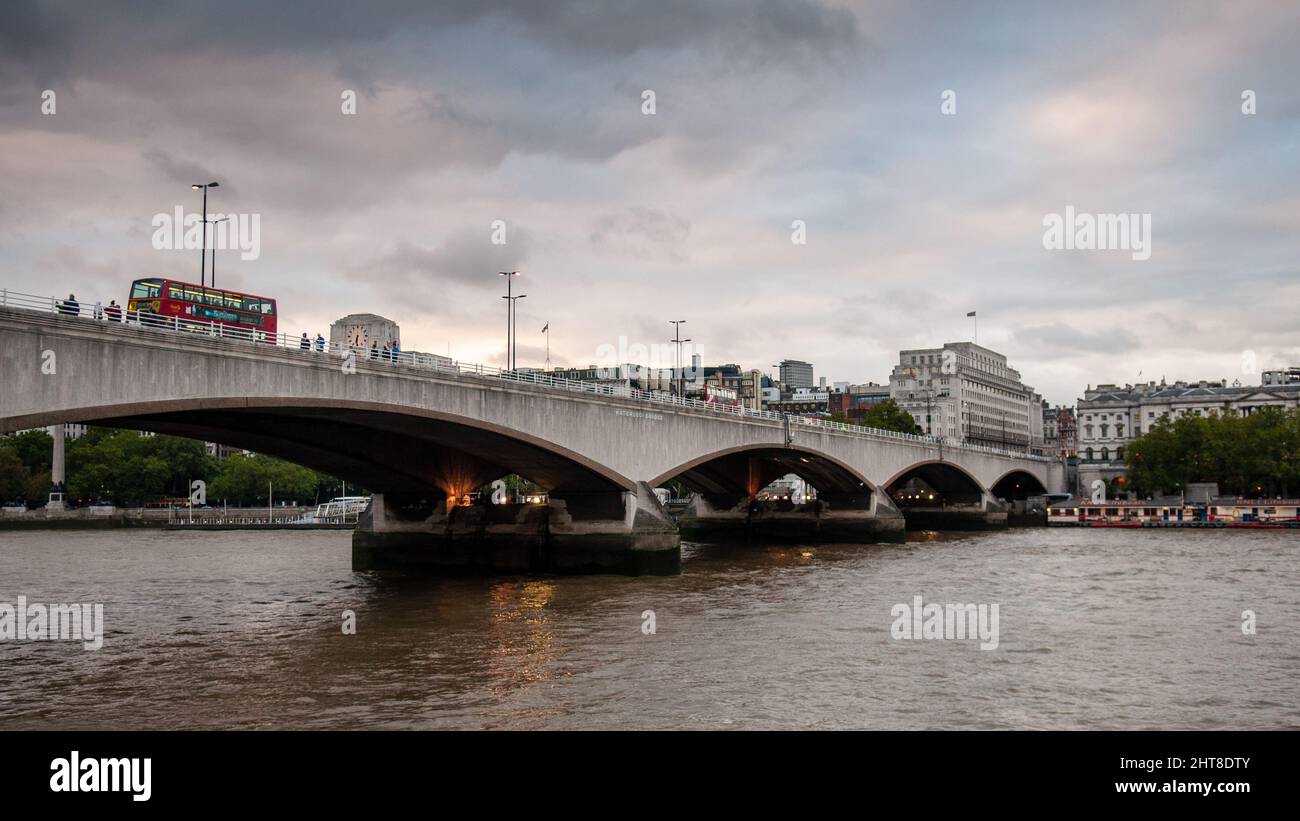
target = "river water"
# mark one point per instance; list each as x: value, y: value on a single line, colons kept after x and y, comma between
x: 1097, y: 629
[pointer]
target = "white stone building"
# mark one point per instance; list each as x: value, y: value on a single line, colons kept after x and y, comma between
x: 967, y: 392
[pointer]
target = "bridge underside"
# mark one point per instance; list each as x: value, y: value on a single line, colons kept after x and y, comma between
x: 396, y: 454
x: 420, y: 471
x: 727, y: 506
x: 942, y: 496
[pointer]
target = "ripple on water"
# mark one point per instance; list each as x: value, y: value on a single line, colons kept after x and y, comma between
x: 1098, y: 630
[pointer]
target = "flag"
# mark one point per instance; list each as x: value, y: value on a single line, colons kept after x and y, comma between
x: 547, y: 328
x: 972, y: 313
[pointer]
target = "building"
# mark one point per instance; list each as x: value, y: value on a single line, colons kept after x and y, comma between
x: 1288, y: 376
x: 640, y: 377
x: 748, y: 384
x: 360, y: 331
x: 1060, y: 432
x: 802, y: 402
x: 853, y: 401
x: 967, y: 392
x: 796, y: 374
x: 1110, y: 417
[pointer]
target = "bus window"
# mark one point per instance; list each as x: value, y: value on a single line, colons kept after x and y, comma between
x: 145, y: 290
x: 260, y: 306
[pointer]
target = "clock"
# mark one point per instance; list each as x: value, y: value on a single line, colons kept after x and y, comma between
x: 357, y: 336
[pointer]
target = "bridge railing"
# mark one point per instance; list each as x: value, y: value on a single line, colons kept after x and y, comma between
x: 318, y: 346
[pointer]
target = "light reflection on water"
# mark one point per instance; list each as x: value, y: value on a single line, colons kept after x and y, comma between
x: 1099, y: 629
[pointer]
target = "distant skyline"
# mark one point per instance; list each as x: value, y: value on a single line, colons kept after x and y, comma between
x: 764, y: 114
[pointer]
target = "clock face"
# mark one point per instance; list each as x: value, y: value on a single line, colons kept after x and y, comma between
x: 357, y: 336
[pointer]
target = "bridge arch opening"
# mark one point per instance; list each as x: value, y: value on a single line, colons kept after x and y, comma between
x: 930, y: 485
x: 735, y: 476
x: 1018, y: 485
x: 419, y: 460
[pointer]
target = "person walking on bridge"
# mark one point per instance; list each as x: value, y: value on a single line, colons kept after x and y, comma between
x: 304, y: 343
x: 320, y: 343
x: 70, y: 306
x: 113, y: 311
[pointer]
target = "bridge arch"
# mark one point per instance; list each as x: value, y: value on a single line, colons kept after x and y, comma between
x: 394, y: 449
x: 1018, y: 484
x: 934, y: 483
x: 728, y: 476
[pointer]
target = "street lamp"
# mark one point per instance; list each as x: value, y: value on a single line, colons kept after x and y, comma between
x: 203, y: 249
x: 510, y: 313
x: 677, y: 337
x: 513, y: 335
x: 214, y: 249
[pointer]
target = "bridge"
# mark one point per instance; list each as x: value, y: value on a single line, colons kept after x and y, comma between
x: 422, y: 435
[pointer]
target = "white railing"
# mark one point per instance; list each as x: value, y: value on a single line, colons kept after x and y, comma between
x: 319, y: 347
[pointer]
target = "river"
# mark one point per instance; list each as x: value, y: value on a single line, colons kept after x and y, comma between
x: 1097, y: 629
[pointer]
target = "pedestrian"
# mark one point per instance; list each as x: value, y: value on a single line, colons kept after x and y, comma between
x: 304, y: 343
x: 397, y: 350
x: 388, y: 351
x: 70, y: 306
x: 374, y: 350
x: 320, y: 343
x: 99, y: 310
x: 114, y: 311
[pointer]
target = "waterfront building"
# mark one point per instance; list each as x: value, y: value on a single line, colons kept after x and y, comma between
x: 967, y: 392
x: 1110, y: 417
x: 1060, y: 432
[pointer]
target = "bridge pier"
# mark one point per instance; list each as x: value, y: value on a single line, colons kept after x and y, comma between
x: 987, y: 514
x: 817, y: 522
x: 520, y: 538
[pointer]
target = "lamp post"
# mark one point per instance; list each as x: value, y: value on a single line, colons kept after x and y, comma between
x: 515, y: 344
x: 510, y: 313
x: 214, y: 249
x: 677, y: 338
x: 203, y: 244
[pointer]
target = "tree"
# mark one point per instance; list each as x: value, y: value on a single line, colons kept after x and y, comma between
x: 244, y: 479
x: 131, y: 469
x: 887, y: 415
x: 1255, y: 455
x: 13, y: 475
x: 35, y: 448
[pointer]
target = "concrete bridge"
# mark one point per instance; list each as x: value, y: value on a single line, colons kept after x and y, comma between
x: 422, y: 437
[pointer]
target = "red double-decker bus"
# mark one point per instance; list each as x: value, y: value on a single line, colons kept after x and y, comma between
x: 203, y: 309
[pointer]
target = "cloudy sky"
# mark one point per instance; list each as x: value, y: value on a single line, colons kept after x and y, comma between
x: 765, y: 113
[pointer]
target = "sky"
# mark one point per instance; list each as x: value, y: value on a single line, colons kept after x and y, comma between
x: 916, y: 148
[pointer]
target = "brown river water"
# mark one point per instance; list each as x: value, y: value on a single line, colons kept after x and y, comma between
x: 1097, y: 629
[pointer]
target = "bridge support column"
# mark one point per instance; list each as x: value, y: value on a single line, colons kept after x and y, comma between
x: 57, y: 477
x: 818, y: 522
x: 631, y: 536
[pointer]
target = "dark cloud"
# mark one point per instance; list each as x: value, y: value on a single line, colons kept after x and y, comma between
x: 1059, y: 338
